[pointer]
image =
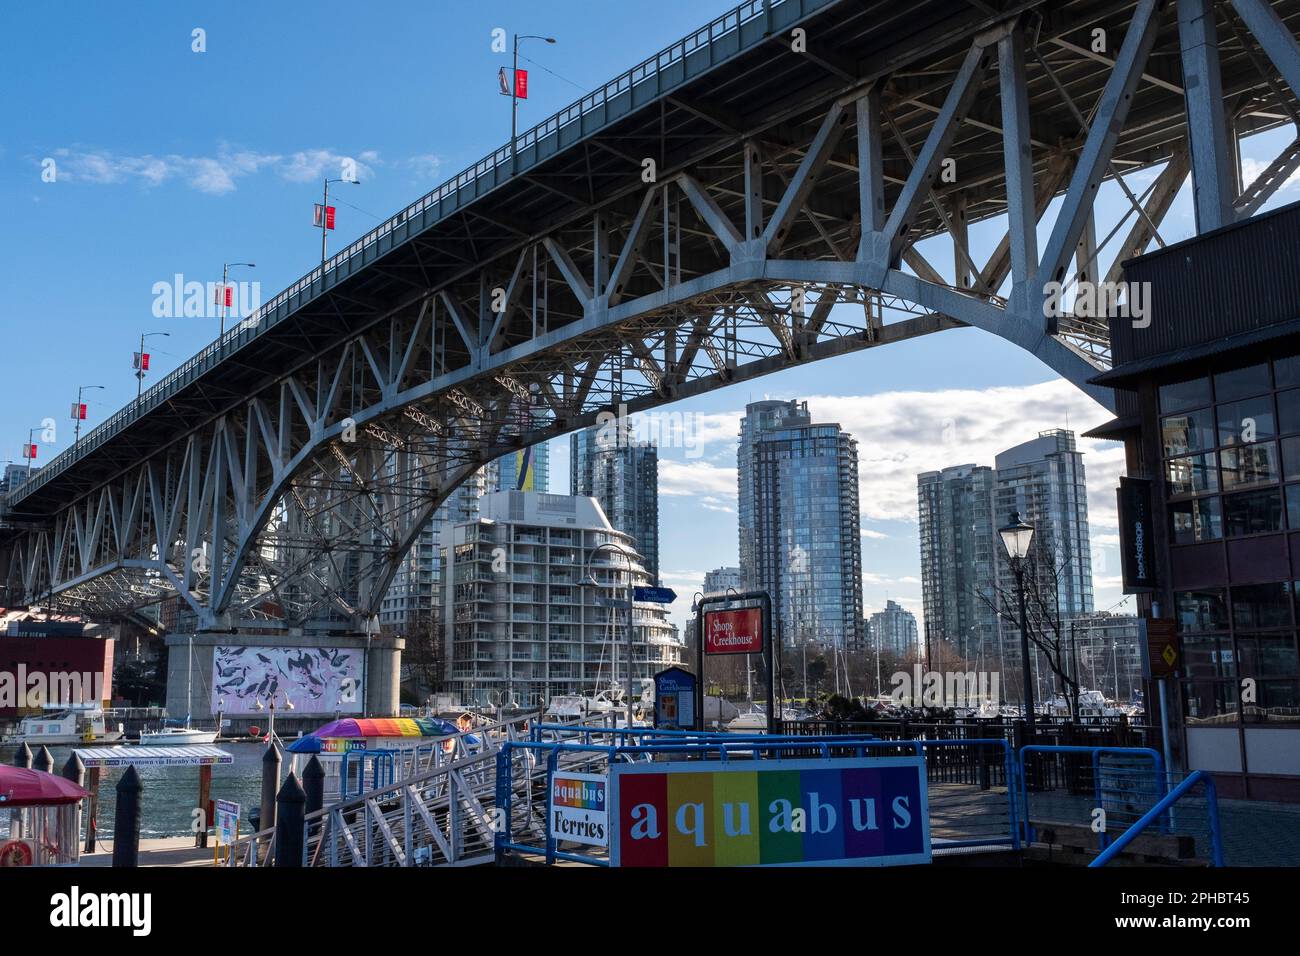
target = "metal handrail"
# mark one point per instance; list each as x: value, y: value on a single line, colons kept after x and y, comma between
x: 1169, y: 799
x: 722, y: 26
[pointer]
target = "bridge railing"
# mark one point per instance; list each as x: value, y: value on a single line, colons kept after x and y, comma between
x: 448, y: 197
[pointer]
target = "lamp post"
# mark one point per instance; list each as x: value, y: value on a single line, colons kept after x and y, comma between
x: 225, y: 275
x: 1016, y: 538
x: 31, y: 445
x: 591, y: 582
x: 76, y: 430
x: 324, y: 212
x: 139, y: 372
x: 514, y: 92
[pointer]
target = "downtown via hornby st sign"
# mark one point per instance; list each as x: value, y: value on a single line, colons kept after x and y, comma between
x: 293, y: 573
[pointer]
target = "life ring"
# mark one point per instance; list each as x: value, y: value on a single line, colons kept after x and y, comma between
x: 16, y: 853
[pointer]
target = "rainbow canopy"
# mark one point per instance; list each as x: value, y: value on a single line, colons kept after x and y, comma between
x: 363, y: 728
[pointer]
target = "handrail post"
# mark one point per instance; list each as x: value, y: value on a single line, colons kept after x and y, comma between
x: 552, y: 762
x: 502, y: 831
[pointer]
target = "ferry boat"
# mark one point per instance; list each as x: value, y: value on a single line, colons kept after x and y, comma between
x: 69, y: 725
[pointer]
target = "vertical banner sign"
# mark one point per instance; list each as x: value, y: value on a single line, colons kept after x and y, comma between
x: 140, y: 360
x: 225, y: 294
x: 579, y: 808
x: 29, y: 451
x: 521, y: 84
x: 859, y: 811
x: 1136, y: 536
x: 503, y: 82
x: 734, y: 632
x: 322, y: 215
x: 78, y: 412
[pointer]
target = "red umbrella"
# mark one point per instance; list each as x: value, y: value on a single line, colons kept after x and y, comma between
x: 33, y: 788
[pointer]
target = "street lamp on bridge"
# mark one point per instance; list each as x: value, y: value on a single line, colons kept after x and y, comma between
x: 326, y: 224
x: 1016, y: 538
x: 225, y: 295
x: 142, y: 362
x: 514, y: 92
x: 79, y: 413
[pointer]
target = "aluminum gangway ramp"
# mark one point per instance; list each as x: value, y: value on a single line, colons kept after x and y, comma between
x: 440, y: 812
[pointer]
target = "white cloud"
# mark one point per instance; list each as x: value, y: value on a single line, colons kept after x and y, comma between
x: 874, y: 535
x: 215, y: 175
x: 696, y: 478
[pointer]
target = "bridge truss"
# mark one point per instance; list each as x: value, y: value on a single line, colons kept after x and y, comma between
x: 703, y: 224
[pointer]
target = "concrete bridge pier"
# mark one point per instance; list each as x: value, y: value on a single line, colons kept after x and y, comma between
x: 322, y: 675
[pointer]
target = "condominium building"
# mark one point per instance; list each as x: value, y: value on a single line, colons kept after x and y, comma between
x: 519, y: 625
x: 528, y: 469
x: 892, y: 632
x: 721, y: 580
x: 959, y: 546
x: 410, y: 598
x: 968, y: 584
x: 608, y: 464
x: 799, y: 522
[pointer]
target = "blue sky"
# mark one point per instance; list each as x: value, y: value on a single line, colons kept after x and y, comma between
x: 171, y: 161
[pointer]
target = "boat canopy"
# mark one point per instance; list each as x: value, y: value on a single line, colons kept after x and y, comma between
x: 363, y: 728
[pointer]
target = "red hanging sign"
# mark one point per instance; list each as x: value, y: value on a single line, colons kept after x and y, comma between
x: 324, y: 215
x: 140, y: 360
x: 521, y: 84
x: 29, y: 451
x: 78, y: 412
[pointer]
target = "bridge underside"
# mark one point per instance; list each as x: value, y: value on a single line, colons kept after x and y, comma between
x: 779, y: 208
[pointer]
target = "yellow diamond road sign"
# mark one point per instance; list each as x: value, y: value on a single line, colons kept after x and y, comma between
x: 1170, y: 655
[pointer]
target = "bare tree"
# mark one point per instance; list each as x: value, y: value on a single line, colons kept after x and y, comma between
x: 1046, y: 631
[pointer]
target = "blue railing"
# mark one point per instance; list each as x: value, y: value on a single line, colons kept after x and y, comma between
x: 1164, y: 805
x: 1157, y: 777
x: 723, y: 747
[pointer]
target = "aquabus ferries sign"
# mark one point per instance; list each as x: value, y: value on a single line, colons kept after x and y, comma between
x: 858, y: 812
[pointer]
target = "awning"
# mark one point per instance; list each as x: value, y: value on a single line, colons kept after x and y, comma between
x: 20, y: 787
x: 196, y: 756
x: 1127, y: 374
x: 350, y: 732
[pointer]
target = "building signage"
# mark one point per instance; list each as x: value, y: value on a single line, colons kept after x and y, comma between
x: 859, y: 811
x: 674, y: 699
x: 734, y: 632
x: 1136, y: 536
x: 1160, y: 648
x: 578, y: 810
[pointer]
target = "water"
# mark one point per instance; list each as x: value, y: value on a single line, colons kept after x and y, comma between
x: 171, y: 794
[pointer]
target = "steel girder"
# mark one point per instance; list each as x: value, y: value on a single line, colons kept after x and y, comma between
x: 772, y: 246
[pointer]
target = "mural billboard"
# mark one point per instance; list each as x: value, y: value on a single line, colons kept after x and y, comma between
x: 858, y: 811
x: 321, y: 680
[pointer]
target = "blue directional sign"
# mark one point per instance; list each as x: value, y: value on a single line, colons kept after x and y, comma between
x: 655, y: 595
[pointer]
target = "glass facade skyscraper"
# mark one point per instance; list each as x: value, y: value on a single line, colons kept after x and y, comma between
x: 958, y: 558
x: 965, y: 572
x: 607, y: 464
x: 528, y: 469
x: 799, y: 523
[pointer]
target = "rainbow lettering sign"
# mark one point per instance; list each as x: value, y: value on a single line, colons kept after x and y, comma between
x: 859, y: 812
x: 579, y: 810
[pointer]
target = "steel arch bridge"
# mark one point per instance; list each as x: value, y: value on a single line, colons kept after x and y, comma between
x: 750, y: 199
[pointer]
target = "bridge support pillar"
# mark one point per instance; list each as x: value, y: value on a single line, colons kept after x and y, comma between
x: 322, y: 675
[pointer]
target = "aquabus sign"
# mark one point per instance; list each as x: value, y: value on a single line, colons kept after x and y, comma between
x: 864, y: 811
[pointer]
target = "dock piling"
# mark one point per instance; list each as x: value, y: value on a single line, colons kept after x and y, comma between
x: 291, y: 806
x: 23, y: 758
x: 44, y: 760
x: 270, y: 784
x: 126, y: 821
